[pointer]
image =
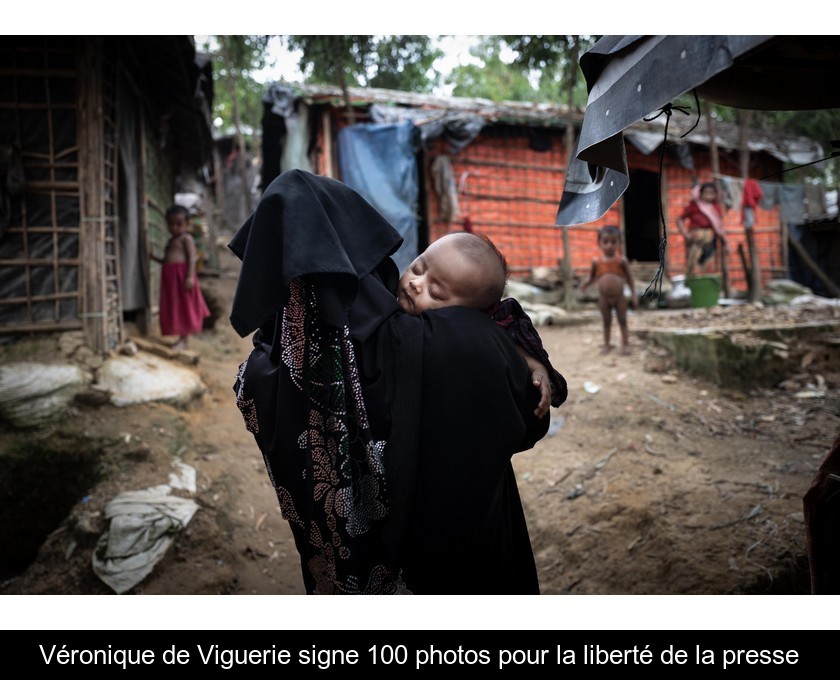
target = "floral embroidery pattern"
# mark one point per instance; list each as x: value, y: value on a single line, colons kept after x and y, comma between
x: 246, y: 406
x: 333, y: 496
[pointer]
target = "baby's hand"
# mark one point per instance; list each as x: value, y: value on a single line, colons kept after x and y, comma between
x: 539, y: 378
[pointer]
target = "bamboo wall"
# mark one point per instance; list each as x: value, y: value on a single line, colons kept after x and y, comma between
x: 511, y: 192
x: 60, y: 250
x: 41, y: 246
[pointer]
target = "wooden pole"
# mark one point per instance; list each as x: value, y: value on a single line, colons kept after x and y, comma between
x: 242, y: 151
x: 92, y: 229
x: 746, y: 267
x: 744, y: 121
x: 570, y: 79
x: 713, y: 152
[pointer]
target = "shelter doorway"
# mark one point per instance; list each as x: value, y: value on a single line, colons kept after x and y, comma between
x: 641, y: 217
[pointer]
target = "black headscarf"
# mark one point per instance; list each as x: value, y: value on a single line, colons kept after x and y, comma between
x: 306, y: 224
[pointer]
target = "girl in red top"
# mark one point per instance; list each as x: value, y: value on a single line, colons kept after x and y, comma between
x: 700, y: 223
x: 611, y: 272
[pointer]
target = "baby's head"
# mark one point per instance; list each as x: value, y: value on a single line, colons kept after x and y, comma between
x: 459, y: 269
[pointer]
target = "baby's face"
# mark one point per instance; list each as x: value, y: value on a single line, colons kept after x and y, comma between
x: 441, y: 276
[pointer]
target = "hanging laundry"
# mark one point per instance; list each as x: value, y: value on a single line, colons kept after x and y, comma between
x: 792, y: 203
x: 815, y: 207
x: 750, y: 197
x: 771, y: 195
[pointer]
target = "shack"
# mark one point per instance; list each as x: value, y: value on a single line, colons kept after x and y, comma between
x: 435, y: 164
x: 97, y: 136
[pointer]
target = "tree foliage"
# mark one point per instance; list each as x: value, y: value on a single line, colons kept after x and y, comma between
x: 524, y: 68
x: 397, y: 62
x: 246, y: 54
x: 822, y: 126
x: 493, y: 78
x: 555, y: 58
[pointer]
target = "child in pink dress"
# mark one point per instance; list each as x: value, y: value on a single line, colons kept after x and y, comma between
x: 182, y: 306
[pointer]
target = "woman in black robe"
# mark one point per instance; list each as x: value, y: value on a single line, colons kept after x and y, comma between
x: 388, y: 437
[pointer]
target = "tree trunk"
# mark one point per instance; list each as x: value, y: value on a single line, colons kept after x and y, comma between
x: 241, y: 157
x: 754, y: 284
x: 713, y: 152
x: 342, y: 81
x: 571, y: 78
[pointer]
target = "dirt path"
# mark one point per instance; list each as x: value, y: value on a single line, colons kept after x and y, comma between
x: 651, y: 481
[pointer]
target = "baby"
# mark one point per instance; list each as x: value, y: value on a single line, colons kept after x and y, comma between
x: 458, y: 269
x: 468, y: 270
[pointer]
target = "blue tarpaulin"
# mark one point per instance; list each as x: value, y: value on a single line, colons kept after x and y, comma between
x: 378, y: 161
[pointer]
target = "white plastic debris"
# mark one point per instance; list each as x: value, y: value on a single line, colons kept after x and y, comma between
x: 146, y: 377
x: 33, y: 393
x: 183, y: 477
x: 143, y: 525
x: 555, y: 425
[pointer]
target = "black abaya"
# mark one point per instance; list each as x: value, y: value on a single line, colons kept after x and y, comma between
x: 388, y: 438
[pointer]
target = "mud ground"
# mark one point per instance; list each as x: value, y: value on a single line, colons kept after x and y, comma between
x: 651, y: 481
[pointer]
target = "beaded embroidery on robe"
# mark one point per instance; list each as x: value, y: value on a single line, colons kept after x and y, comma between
x: 330, y: 483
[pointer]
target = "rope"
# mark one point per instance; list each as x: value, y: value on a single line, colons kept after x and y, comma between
x: 668, y: 110
x: 833, y: 154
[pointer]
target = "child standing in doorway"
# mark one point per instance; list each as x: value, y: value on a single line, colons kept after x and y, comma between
x: 182, y: 305
x: 610, y: 272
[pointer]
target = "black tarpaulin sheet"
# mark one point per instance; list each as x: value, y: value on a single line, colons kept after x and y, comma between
x: 632, y: 77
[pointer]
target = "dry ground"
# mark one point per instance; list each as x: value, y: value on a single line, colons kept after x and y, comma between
x: 651, y: 481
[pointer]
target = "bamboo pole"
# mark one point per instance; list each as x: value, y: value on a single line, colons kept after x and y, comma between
x: 715, y: 158
x: 93, y: 275
x: 570, y: 77
x: 745, y: 120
